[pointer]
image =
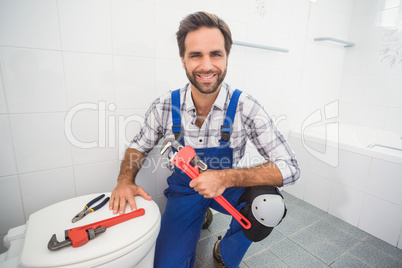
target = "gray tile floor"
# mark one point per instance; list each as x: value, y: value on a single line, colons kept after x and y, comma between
x: 307, y: 237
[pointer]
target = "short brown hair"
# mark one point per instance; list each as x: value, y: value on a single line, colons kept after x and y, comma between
x: 200, y: 19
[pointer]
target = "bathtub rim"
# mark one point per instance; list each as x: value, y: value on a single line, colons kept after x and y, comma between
x: 315, y: 135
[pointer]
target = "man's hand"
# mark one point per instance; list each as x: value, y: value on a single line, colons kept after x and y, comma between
x: 213, y: 183
x: 210, y: 183
x: 126, y: 189
x: 124, y: 192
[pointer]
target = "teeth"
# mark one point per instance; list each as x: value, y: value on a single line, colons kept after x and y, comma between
x: 206, y: 77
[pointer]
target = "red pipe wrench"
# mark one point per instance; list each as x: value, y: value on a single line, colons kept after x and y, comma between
x: 79, y: 236
x: 182, y: 159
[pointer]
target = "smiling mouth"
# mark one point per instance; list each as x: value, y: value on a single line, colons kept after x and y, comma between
x: 206, y: 77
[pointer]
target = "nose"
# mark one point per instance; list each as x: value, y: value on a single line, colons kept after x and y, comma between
x: 206, y: 64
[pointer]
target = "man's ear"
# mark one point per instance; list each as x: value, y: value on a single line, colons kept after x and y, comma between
x: 182, y: 62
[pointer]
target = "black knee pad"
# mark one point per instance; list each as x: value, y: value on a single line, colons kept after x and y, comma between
x: 264, y: 208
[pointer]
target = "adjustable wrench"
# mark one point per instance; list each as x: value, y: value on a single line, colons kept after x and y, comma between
x: 186, y: 159
x: 79, y: 236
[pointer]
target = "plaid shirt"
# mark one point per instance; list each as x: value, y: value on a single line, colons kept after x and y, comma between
x: 251, y: 122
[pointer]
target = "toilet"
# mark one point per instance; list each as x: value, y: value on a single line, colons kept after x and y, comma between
x: 127, y: 244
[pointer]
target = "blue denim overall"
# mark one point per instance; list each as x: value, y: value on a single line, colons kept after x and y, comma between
x: 185, y: 209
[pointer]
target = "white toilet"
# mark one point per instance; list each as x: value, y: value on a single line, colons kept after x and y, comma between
x: 127, y: 244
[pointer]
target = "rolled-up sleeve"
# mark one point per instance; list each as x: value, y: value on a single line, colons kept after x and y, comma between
x: 150, y: 132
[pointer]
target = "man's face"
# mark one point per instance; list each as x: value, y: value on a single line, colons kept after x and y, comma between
x: 205, y: 59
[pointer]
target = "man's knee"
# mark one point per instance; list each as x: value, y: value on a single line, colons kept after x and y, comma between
x: 264, y: 208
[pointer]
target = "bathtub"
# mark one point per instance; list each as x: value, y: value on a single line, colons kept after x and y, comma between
x: 351, y: 172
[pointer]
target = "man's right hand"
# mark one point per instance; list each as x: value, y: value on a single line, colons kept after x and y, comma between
x: 124, y: 192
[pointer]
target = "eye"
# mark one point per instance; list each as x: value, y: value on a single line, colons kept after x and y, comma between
x: 193, y: 56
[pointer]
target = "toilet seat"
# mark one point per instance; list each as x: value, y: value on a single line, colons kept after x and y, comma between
x: 135, y: 234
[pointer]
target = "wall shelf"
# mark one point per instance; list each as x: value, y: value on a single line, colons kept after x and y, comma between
x: 278, y: 49
x: 347, y: 44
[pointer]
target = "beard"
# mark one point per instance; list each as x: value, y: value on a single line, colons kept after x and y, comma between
x: 203, y: 87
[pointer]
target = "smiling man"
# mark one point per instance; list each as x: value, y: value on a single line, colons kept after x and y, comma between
x: 216, y: 121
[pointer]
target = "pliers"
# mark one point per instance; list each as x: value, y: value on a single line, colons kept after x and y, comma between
x: 87, y: 208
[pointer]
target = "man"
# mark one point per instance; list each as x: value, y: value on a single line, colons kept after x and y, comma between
x: 217, y: 121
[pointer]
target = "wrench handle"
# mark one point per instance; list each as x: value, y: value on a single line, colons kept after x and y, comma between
x: 114, y: 220
x: 244, y: 222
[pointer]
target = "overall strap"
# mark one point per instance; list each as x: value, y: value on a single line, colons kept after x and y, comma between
x: 226, y: 128
x: 176, y: 119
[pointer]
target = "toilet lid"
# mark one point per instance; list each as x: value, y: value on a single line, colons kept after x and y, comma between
x: 56, y: 218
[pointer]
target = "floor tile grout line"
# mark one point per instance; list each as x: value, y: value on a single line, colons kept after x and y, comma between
x: 294, y: 241
x: 362, y: 260
x: 367, y: 235
x: 343, y: 254
x: 329, y: 242
x: 379, y: 249
x: 343, y: 251
x: 283, y: 261
x: 301, y: 248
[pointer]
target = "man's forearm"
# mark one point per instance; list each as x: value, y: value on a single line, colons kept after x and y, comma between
x: 130, y: 165
x: 266, y: 174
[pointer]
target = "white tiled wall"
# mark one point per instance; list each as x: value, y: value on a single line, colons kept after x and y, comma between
x: 35, y: 24
x: 39, y: 141
x: 85, y: 26
x: 116, y: 56
x: 40, y: 71
x: 371, y: 87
